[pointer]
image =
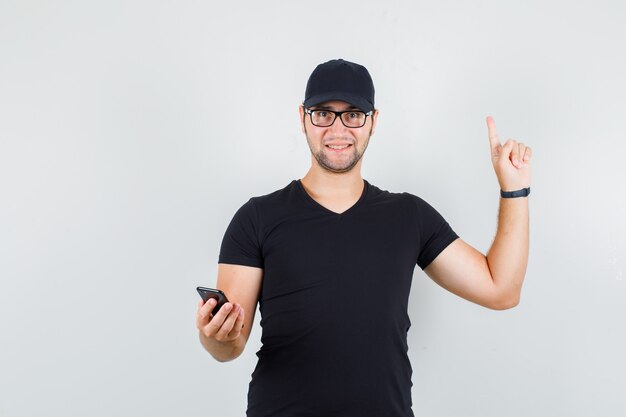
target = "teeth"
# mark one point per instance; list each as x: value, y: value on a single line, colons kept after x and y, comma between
x: 338, y: 147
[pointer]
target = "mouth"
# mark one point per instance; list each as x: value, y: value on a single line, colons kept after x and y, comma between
x: 339, y: 148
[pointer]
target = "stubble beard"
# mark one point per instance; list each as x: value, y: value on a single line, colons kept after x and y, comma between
x: 327, y: 164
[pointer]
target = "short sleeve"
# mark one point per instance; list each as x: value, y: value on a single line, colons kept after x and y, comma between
x: 240, y: 245
x: 434, y: 232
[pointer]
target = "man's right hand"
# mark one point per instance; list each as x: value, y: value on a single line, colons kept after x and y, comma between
x: 223, y: 335
x: 224, y: 327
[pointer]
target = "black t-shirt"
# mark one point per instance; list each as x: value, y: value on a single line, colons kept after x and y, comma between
x: 334, y: 299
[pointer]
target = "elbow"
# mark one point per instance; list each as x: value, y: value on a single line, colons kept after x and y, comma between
x: 505, y: 302
x: 223, y: 359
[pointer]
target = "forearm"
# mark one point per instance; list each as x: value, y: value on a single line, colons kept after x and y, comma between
x: 508, y: 256
x: 223, y: 351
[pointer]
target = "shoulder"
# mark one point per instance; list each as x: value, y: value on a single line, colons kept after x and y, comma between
x: 405, y: 199
x: 252, y: 216
x: 276, y: 195
x: 262, y: 208
x: 274, y: 200
x: 411, y: 206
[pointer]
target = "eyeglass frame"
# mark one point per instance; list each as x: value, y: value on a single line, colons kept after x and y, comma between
x: 338, y: 114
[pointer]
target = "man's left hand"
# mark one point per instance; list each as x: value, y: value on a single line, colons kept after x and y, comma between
x: 511, y: 161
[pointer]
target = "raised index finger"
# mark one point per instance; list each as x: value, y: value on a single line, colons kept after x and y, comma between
x: 494, y: 140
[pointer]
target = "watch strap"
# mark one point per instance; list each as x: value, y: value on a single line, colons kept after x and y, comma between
x: 524, y: 192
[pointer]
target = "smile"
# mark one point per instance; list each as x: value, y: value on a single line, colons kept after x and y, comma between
x: 338, y: 147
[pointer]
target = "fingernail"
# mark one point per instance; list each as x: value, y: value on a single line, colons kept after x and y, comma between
x: 212, y: 301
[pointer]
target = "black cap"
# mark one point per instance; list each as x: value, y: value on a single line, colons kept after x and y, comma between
x: 340, y: 80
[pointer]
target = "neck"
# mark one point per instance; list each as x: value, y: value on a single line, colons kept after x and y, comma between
x: 330, y: 185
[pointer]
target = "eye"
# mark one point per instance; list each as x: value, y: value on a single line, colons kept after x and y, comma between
x: 353, y: 115
x: 322, y: 113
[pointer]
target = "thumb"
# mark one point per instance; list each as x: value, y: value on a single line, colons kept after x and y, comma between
x: 506, y: 150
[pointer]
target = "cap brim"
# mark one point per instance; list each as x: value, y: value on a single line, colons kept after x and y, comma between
x: 355, y: 100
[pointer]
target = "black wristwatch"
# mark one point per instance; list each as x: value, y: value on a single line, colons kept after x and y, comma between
x: 524, y: 192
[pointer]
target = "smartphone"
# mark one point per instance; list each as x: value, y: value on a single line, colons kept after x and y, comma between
x: 207, y: 293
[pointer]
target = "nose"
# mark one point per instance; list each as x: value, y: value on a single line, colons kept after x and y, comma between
x: 337, y: 125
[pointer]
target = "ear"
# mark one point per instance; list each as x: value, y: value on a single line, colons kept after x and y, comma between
x: 302, y: 116
x: 374, y: 120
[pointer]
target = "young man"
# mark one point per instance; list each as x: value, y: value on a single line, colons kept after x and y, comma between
x: 330, y: 259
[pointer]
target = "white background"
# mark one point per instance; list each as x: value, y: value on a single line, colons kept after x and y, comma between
x: 131, y: 131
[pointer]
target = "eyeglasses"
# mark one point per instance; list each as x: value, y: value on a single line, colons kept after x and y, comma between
x: 349, y: 118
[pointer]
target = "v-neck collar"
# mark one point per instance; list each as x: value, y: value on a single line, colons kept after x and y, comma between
x: 314, y: 203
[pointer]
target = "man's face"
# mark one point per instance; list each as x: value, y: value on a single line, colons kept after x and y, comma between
x: 328, y: 144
